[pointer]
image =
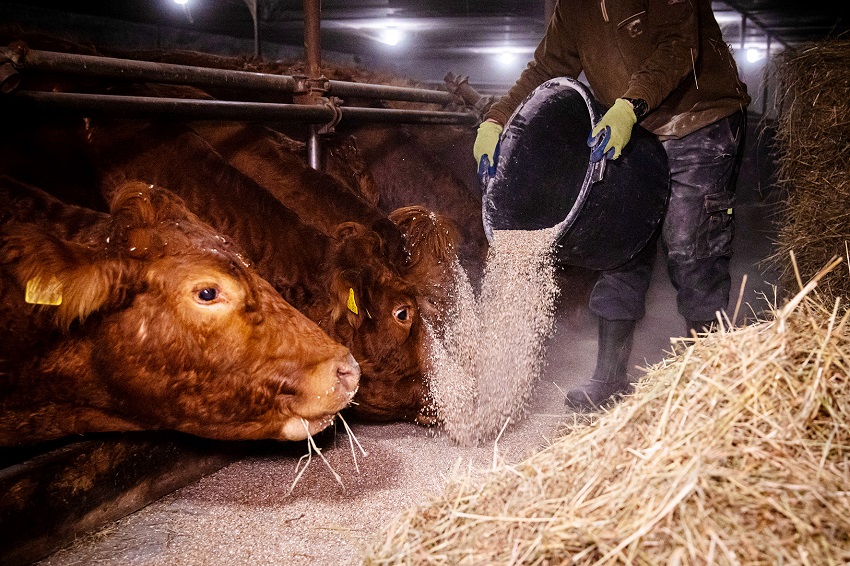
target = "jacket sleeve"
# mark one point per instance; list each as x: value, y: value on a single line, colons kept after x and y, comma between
x: 555, y: 56
x: 676, y: 52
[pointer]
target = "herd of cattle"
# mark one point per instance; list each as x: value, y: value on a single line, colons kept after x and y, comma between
x: 199, y: 276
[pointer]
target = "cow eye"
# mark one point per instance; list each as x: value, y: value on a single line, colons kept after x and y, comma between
x: 402, y: 314
x: 208, y: 294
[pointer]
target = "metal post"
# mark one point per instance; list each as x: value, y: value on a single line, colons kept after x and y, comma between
x: 766, y: 76
x: 312, y: 49
x: 312, y: 37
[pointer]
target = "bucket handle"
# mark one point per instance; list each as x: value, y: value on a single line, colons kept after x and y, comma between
x: 597, y: 171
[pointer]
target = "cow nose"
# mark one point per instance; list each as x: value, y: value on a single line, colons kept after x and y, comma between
x: 348, y: 373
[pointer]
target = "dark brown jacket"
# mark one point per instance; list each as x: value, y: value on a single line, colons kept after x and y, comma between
x: 667, y: 52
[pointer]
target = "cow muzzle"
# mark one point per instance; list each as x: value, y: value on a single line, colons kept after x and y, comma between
x: 348, y: 376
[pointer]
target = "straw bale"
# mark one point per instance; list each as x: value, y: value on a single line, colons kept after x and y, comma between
x: 734, y: 451
x: 813, y: 150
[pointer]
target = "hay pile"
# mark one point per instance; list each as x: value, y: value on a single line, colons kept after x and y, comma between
x: 736, y: 451
x: 813, y: 144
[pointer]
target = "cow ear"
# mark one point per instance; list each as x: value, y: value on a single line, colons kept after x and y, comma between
x: 349, y: 309
x: 135, y: 217
x: 71, y: 278
x: 355, y: 245
x: 348, y: 230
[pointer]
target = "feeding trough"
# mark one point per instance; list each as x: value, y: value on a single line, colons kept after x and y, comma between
x: 606, y: 211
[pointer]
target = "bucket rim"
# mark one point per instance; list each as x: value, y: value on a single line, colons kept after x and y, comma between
x: 595, y: 170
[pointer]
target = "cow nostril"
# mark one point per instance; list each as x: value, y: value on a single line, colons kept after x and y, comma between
x: 348, y: 373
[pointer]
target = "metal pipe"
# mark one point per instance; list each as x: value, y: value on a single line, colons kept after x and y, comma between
x: 313, y: 53
x: 9, y: 78
x: 385, y: 115
x: 766, y: 80
x: 143, y: 106
x: 128, y: 69
x: 407, y: 94
x: 314, y: 148
x: 132, y: 70
x: 755, y: 20
x: 312, y: 37
x: 140, y: 106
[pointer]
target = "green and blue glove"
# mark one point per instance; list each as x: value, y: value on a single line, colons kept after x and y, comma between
x: 485, y: 146
x: 612, y: 132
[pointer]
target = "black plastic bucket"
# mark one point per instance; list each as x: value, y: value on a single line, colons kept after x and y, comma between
x: 605, y: 211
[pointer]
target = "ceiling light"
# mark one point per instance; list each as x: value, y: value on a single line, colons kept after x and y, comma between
x: 181, y: 2
x: 754, y: 55
x: 390, y: 36
x: 507, y: 57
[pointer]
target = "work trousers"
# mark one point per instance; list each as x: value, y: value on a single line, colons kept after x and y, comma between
x: 696, y: 233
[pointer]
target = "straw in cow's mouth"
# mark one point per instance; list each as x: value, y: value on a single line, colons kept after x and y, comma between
x: 312, y: 447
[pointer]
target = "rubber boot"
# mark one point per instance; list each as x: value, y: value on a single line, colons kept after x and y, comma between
x: 610, y: 379
x: 699, y: 326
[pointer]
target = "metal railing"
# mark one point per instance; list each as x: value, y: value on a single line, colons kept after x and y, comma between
x: 317, y: 103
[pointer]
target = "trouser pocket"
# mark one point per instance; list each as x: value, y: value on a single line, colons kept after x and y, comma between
x: 715, y: 234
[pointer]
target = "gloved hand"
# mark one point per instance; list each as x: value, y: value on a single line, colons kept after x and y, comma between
x: 615, y: 128
x: 486, y: 141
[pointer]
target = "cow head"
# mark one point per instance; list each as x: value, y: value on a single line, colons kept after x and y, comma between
x: 162, y: 325
x: 375, y: 312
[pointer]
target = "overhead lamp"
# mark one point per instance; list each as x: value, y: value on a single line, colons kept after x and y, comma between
x: 755, y: 55
x: 181, y: 2
x: 390, y: 36
x: 506, y: 57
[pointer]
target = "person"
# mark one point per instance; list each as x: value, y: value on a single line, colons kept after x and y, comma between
x: 662, y: 64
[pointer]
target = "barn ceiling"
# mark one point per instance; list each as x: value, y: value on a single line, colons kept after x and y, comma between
x: 444, y: 27
x: 457, y: 34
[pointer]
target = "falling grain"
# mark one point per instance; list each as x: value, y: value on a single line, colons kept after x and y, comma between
x: 489, y: 353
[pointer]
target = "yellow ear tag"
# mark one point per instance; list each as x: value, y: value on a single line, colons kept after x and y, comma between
x: 39, y: 293
x: 352, y: 304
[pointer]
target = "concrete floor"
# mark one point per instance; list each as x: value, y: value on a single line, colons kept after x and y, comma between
x: 244, y: 514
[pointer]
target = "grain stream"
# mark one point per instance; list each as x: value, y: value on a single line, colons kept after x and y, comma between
x: 489, y: 353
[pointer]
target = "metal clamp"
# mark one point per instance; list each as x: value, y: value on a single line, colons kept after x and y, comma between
x: 330, y: 127
x: 310, y: 90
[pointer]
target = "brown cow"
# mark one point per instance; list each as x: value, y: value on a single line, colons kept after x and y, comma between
x: 278, y: 163
x: 147, y: 319
x: 270, y: 159
x: 348, y: 282
x: 369, y: 260
x: 403, y: 164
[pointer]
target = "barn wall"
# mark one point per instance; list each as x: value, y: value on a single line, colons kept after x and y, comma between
x: 127, y: 35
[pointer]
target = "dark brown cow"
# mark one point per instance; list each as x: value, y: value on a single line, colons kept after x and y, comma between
x: 278, y: 164
x: 273, y: 161
x: 147, y: 319
x: 405, y: 165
